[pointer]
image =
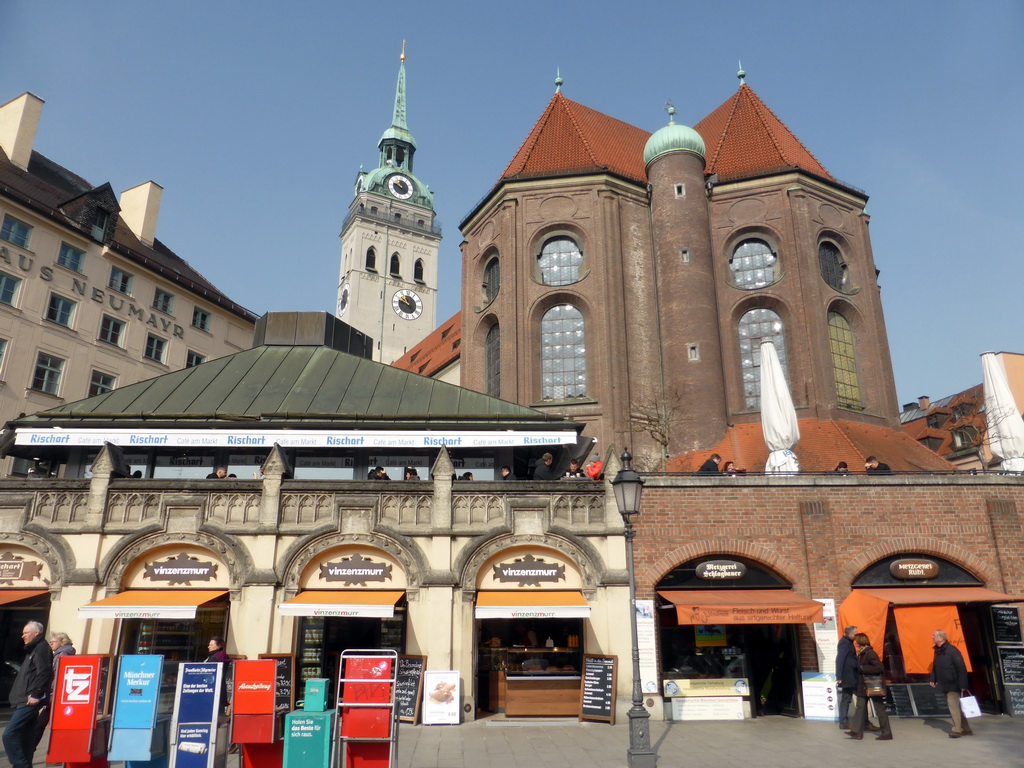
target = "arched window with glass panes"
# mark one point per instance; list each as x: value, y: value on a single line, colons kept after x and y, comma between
x: 559, y: 261
x: 371, y: 259
x: 492, y: 279
x: 832, y: 266
x: 755, y: 326
x: 492, y: 361
x: 396, y: 265
x: 753, y: 264
x: 844, y: 361
x: 563, y: 354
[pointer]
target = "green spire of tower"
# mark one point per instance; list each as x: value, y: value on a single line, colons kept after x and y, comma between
x: 398, y: 121
x: 398, y: 133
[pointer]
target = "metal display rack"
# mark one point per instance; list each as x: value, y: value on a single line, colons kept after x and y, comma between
x: 370, y: 691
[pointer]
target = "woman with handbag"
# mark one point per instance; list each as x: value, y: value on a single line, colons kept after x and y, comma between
x: 870, y: 686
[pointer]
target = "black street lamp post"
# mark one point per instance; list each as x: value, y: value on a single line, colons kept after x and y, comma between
x: 628, y: 486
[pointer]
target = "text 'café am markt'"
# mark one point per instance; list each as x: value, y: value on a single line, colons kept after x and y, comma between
x: 742, y: 581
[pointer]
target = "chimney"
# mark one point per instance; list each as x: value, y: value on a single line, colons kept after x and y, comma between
x: 19, y: 120
x: 924, y: 403
x: 140, y: 207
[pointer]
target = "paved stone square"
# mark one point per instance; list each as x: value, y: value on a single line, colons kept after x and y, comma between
x: 770, y: 742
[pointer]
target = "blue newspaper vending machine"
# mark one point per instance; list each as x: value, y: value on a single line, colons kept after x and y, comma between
x: 138, y: 736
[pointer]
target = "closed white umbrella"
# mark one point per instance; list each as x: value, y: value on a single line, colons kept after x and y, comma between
x: 1003, y: 422
x: 778, y: 416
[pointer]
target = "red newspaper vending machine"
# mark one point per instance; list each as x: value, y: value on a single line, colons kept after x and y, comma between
x: 79, y: 726
x: 368, y: 716
x: 256, y: 722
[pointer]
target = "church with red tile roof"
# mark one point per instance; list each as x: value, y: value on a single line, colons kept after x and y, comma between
x: 628, y: 279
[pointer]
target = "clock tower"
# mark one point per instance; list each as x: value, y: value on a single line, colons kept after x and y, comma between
x: 389, y: 246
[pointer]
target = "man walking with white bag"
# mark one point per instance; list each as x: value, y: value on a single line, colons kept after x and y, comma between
x: 949, y: 675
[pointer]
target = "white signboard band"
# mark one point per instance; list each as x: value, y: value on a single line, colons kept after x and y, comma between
x: 287, y: 438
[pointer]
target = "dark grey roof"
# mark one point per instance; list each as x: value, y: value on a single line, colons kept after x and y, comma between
x: 46, y: 186
x: 296, y: 386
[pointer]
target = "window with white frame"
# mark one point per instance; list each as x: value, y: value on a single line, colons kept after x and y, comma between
x: 47, y: 374
x: 71, y: 257
x: 60, y: 310
x: 9, y: 286
x: 100, y: 383
x: 111, y: 330
x: 163, y: 300
x: 3, y: 355
x: 14, y: 231
x: 201, y: 319
x: 120, y: 280
x: 156, y: 348
x: 192, y: 359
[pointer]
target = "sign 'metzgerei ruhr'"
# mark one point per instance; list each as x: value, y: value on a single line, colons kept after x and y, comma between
x: 14, y: 568
x: 180, y: 569
x: 529, y: 571
x: 355, y: 570
x: 915, y: 568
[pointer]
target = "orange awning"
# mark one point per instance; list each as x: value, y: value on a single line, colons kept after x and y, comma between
x: 360, y: 603
x: 939, y: 595
x: 546, y: 604
x: 151, y: 604
x: 743, y: 606
x: 14, y: 595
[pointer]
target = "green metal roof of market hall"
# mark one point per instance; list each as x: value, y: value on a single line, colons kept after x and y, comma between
x: 293, y: 386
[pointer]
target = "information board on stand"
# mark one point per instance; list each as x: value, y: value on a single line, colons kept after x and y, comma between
x: 409, y: 687
x: 597, y: 694
x: 285, y: 682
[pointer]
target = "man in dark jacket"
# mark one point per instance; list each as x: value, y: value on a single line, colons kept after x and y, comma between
x: 949, y: 675
x: 847, y: 675
x: 30, y: 689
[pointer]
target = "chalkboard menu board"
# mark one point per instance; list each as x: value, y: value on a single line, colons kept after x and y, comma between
x: 917, y: 700
x: 597, y: 696
x: 1014, y: 700
x: 408, y: 687
x: 902, y: 705
x: 1006, y: 624
x: 285, y: 693
x: 929, y: 701
x: 1012, y: 662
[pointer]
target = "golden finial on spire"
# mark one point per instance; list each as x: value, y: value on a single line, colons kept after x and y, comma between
x: 402, y: 57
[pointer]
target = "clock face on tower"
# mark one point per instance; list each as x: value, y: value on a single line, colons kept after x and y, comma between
x: 400, y: 186
x: 343, y: 299
x: 407, y: 305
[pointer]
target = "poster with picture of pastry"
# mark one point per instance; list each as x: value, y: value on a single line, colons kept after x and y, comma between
x: 441, y: 697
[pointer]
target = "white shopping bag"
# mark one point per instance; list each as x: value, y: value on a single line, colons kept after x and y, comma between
x: 970, y: 707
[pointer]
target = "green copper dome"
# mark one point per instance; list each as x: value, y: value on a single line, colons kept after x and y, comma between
x: 673, y: 138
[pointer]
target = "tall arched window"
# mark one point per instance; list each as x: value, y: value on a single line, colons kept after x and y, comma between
x: 833, y: 268
x: 371, y: 259
x: 560, y: 258
x: 492, y: 354
x: 563, y: 354
x: 417, y: 271
x: 753, y: 264
x: 396, y: 265
x: 755, y: 326
x: 844, y: 361
x: 492, y: 279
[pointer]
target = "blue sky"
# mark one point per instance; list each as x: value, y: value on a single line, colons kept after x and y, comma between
x: 255, y: 117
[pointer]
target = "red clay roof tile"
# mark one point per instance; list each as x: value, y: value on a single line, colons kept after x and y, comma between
x: 823, y: 444
x: 439, y: 349
x: 745, y: 138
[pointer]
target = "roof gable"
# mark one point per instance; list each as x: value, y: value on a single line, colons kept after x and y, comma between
x: 570, y: 138
x: 745, y: 138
